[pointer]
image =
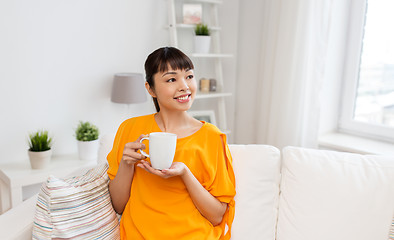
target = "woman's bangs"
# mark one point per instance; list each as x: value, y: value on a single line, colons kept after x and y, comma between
x: 175, y: 62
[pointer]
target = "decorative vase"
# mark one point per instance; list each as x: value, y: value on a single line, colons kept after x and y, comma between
x: 88, y: 150
x: 39, y: 160
x: 202, y: 44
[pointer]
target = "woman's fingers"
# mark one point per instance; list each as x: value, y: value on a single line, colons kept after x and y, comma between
x: 130, y: 155
x: 176, y: 169
x: 130, y: 151
x: 146, y: 165
x: 140, y: 137
x: 165, y: 173
x: 135, y: 146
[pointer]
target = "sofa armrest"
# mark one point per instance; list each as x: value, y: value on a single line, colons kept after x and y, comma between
x: 17, y: 223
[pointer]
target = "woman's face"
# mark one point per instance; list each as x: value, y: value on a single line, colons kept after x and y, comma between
x: 174, y: 89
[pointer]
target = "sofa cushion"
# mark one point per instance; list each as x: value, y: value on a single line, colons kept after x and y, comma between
x: 257, y: 173
x: 77, y: 207
x: 330, y: 195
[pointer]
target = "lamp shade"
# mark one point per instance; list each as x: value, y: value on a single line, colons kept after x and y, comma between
x: 128, y: 88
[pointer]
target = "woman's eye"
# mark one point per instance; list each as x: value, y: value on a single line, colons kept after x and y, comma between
x: 190, y: 77
x: 171, y: 80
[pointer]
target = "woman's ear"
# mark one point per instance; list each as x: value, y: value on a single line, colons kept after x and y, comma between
x: 150, y: 90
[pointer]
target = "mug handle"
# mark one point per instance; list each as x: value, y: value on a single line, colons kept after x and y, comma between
x: 141, y: 151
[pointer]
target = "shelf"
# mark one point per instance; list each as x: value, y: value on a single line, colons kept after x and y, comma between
x: 201, y: 95
x: 192, y: 26
x: 211, y: 55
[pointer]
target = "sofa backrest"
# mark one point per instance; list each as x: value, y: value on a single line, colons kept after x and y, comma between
x: 257, y: 173
x: 330, y: 195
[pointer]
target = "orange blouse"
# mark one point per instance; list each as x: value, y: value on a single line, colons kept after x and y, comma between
x: 162, y: 208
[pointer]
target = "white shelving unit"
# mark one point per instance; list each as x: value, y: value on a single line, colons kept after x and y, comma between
x: 215, y: 54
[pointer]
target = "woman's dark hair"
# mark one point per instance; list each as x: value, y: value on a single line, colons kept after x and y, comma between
x: 161, y: 60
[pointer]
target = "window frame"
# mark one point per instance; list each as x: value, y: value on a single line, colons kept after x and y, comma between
x: 346, y: 123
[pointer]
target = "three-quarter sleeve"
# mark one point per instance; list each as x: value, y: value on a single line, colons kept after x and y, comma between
x: 114, y: 155
x: 222, y: 186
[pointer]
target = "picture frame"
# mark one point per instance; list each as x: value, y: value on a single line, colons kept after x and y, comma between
x: 192, y: 13
x: 206, y: 115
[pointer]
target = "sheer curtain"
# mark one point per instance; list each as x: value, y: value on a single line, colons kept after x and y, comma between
x: 286, y: 73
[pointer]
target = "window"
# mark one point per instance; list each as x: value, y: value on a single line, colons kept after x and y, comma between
x: 368, y: 98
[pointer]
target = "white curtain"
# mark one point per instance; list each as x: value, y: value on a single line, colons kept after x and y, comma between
x: 284, y: 71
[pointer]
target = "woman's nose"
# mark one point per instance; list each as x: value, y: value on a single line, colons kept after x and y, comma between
x: 183, y: 85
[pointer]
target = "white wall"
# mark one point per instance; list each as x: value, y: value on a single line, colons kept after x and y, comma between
x: 229, y: 20
x: 248, y: 75
x: 58, y: 58
x: 57, y: 61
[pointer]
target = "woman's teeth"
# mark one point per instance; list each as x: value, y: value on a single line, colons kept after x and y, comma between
x: 183, y: 98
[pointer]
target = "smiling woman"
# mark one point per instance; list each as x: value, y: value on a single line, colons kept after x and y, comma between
x: 194, y: 197
x: 163, y: 60
x: 178, y: 85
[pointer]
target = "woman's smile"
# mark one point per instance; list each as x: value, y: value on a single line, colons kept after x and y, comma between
x: 183, y: 98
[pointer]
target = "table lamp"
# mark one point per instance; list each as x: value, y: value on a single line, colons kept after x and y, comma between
x: 128, y: 88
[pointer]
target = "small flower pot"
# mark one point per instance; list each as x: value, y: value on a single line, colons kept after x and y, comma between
x: 88, y: 150
x: 39, y: 160
x: 202, y: 44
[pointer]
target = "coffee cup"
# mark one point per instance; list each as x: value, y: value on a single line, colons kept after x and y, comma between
x: 161, y: 149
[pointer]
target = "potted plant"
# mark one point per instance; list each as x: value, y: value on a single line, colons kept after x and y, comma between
x: 202, y: 38
x: 87, y: 136
x: 39, y: 149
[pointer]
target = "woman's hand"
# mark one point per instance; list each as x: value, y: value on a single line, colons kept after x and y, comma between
x: 130, y: 151
x: 176, y: 169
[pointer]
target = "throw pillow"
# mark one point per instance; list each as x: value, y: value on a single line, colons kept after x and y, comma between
x: 76, y: 208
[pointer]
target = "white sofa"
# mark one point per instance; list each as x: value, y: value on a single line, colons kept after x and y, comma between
x: 293, y: 194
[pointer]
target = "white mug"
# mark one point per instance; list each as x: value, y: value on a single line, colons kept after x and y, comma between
x: 161, y: 149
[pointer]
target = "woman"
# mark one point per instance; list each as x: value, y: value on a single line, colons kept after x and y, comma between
x: 193, y: 199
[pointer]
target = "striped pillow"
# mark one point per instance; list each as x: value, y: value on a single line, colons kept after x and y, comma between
x: 391, y: 234
x: 78, y: 208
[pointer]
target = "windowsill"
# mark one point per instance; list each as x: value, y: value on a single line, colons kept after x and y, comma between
x: 349, y: 143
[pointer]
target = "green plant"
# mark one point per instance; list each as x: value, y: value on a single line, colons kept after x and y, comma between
x: 201, y: 30
x: 39, y: 141
x: 86, y: 132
